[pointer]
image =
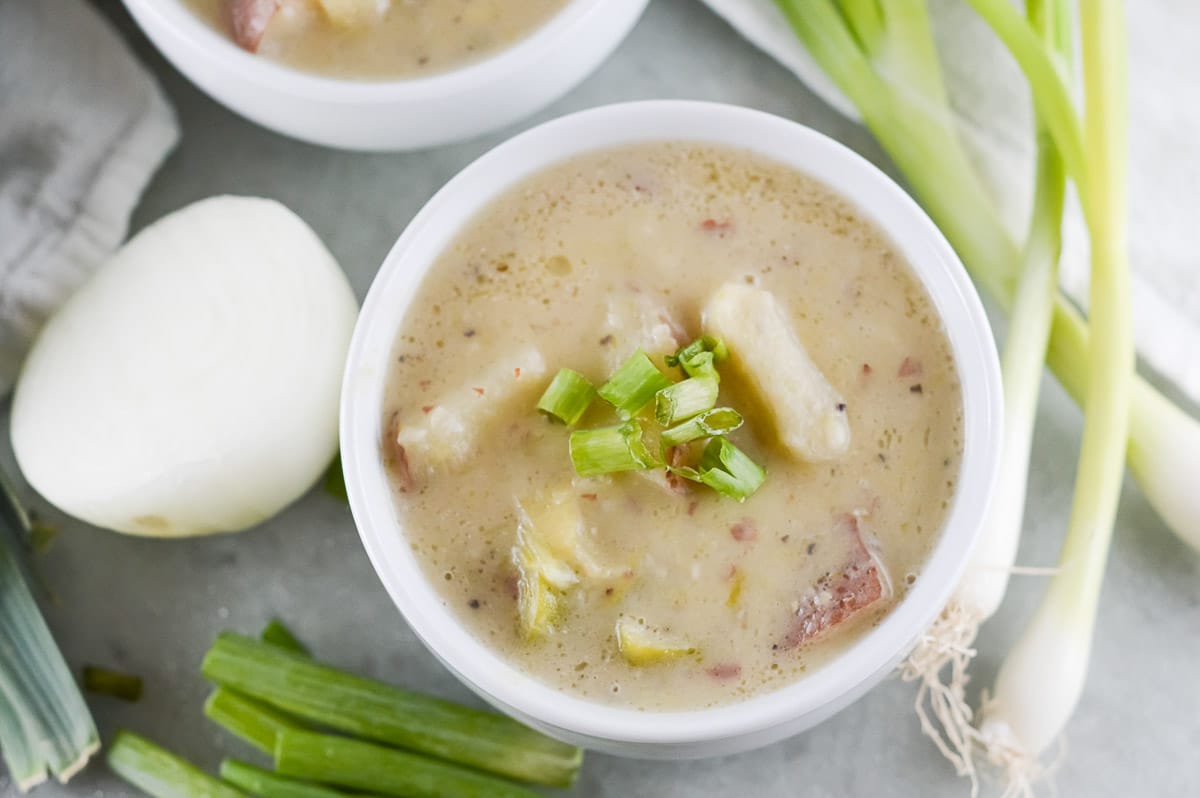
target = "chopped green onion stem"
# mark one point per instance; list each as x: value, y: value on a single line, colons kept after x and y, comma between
x: 726, y: 469
x: 633, y: 385
x: 685, y: 399
x: 700, y: 356
x: 266, y: 784
x: 610, y: 449
x: 568, y: 397
x: 718, y: 421
x: 125, y: 686
x: 366, y: 766
x: 159, y: 773
x: 370, y: 709
x: 279, y: 635
x: 247, y: 719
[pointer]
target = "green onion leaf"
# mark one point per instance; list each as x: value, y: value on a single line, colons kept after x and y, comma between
x: 718, y: 421
x: 568, y: 397
x: 247, y: 719
x: 158, y: 772
x: 699, y: 358
x: 610, y: 449
x: 634, y: 385
x: 125, y: 686
x: 266, y: 784
x: 686, y: 399
x: 726, y: 469
x: 277, y: 634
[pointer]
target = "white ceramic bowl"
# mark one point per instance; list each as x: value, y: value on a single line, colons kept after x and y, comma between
x: 392, y: 114
x: 762, y: 719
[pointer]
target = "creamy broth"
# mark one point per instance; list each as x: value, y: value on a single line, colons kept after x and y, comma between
x: 396, y: 39
x: 555, y: 265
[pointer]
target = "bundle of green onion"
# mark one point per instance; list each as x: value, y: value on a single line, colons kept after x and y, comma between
x: 881, y: 54
x: 45, y: 726
x: 650, y: 405
x: 328, y: 731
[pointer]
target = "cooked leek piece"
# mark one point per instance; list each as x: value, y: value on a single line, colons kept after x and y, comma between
x: 542, y: 579
x: 636, y: 321
x: 45, y: 726
x: 444, y: 434
x: 640, y: 645
x: 555, y: 521
x: 809, y: 413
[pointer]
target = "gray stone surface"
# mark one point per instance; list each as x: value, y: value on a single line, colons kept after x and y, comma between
x: 152, y: 607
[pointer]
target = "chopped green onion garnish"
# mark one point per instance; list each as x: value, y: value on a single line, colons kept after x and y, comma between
x: 726, y: 469
x: 158, y: 772
x: 718, y: 421
x: 277, y: 634
x: 634, y: 385
x: 568, y: 397
x: 610, y: 449
x: 700, y: 357
x: 266, y: 784
x: 685, y: 399
x: 125, y: 686
x: 250, y: 720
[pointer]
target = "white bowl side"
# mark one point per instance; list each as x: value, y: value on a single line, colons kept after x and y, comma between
x: 764, y: 718
x: 392, y: 115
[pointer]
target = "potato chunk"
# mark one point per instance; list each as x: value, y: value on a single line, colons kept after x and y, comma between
x: 809, y: 413
x: 444, y: 435
x: 636, y: 321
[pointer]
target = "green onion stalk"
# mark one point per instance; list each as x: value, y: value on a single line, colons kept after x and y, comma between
x: 895, y: 83
x: 1041, y: 679
x: 881, y: 56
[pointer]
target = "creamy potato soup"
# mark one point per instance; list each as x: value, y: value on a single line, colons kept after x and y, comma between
x: 376, y: 38
x: 645, y: 588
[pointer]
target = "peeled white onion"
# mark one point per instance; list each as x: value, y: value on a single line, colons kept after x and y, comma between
x: 192, y: 385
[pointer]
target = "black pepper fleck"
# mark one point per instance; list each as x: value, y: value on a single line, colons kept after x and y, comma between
x: 882, y: 457
x: 785, y: 538
x: 916, y: 388
x: 606, y: 340
x: 841, y: 407
x: 473, y: 604
x: 811, y: 548
x: 469, y: 333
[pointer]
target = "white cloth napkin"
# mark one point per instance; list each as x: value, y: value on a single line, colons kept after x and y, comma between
x: 991, y: 101
x: 83, y: 126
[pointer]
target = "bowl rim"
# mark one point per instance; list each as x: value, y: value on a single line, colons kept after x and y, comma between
x: 185, y: 26
x: 913, y: 233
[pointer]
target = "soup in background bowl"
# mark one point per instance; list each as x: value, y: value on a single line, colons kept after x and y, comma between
x: 641, y: 611
x: 376, y: 38
x: 360, y: 85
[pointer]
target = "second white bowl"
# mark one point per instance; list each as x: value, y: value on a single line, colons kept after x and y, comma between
x: 764, y: 718
x: 393, y: 114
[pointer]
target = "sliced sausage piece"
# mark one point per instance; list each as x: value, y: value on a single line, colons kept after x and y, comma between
x: 248, y: 20
x: 839, y: 596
